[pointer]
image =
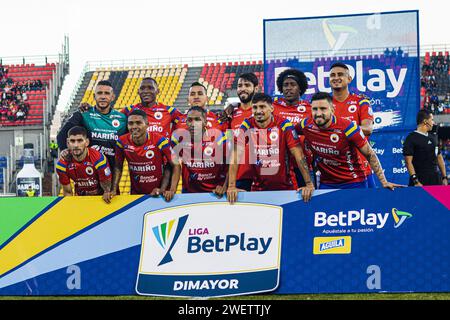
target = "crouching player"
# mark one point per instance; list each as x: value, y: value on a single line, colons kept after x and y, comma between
x: 203, y: 156
x: 270, y: 138
x: 87, y: 167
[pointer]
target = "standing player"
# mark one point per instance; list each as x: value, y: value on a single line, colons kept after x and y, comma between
x: 335, y: 143
x: 144, y: 152
x: 351, y: 106
x: 270, y: 140
x: 161, y: 118
x: 204, y: 167
x: 103, y: 124
x: 246, y: 88
x: 198, y: 98
x: 292, y: 83
x: 88, y: 168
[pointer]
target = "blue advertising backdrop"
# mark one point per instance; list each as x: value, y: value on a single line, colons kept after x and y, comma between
x: 382, y: 52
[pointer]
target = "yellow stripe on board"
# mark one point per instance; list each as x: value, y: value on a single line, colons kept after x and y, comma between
x: 67, y: 217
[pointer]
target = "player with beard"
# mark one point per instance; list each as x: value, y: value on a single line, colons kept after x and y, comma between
x: 247, y: 86
x: 87, y: 168
x: 270, y: 140
x: 204, y: 167
x: 144, y: 152
x: 335, y: 143
x: 103, y: 124
x: 351, y: 106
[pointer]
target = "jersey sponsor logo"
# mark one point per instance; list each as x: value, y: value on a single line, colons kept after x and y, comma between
x: 273, y: 136
x: 352, y: 108
x: 105, y: 136
x: 90, y: 171
x: 334, y: 138
x: 142, y: 168
x: 149, y: 154
x: 155, y: 128
x: 301, y: 109
x: 158, y: 115
x: 115, y: 123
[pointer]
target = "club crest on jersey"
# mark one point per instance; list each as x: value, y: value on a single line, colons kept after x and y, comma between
x: 352, y: 108
x: 273, y: 136
x: 149, y: 154
x: 301, y: 109
x: 115, y: 123
x: 107, y: 172
x: 208, y: 151
x: 89, y: 171
x: 158, y: 115
x: 334, y: 138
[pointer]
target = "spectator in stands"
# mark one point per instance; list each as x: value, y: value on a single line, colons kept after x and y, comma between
x: 387, y: 52
x: 399, y: 53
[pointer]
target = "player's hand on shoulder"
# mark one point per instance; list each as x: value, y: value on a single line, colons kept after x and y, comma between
x: 65, y: 155
x: 84, y: 106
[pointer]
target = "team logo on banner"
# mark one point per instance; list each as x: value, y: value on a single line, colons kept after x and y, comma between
x: 207, y: 250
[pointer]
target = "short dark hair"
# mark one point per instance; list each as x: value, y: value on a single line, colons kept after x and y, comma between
x: 149, y: 79
x: 322, y: 96
x: 197, y: 84
x: 422, y: 115
x: 138, y: 112
x: 74, y: 131
x: 199, y: 109
x: 104, y: 83
x: 339, y: 65
x: 250, y: 77
x: 295, y: 74
x: 259, y: 96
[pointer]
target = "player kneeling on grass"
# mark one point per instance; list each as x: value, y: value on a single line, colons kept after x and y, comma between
x: 270, y: 138
x: 203, y: 154
x: 86, y: 167
x: 335, y: 143
x: 145, y: 152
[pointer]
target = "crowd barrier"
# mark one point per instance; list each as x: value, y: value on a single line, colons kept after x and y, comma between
x: 342, y: 241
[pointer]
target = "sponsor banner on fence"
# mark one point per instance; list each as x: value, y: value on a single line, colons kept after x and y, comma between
x: 207, y: 249
x: 342, y: 241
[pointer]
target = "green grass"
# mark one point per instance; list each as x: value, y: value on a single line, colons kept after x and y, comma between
x: 354, y: 296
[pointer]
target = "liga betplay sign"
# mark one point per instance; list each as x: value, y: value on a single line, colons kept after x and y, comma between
x: 207, y: 249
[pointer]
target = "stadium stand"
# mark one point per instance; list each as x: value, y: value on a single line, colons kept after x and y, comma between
x: 220, y: 79
x: 435, y: 82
